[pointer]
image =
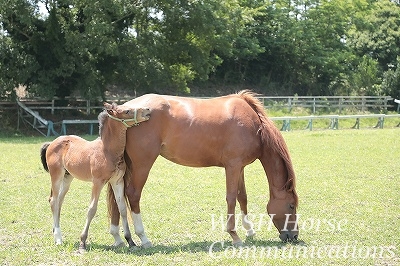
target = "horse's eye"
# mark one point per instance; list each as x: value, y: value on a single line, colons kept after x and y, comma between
x: 291, y: 206
x: 127, y: 112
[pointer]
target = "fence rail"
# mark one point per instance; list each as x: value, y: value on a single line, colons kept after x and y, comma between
x: 363, y: 103
x: 33, y: 118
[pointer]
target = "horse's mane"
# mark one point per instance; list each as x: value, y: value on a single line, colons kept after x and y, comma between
x: 272, y: 137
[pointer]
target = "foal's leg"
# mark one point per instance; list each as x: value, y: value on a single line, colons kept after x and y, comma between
x: 242, y: 199
x: 96, y: 189
x: 118, y: 188
x: 60, y: 187
x: 114, y: 216
x: 232, y: 180
x: 55, y: 209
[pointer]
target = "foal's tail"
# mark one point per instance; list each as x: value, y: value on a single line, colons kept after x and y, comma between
x: 272, y: 138
x: 43, y: 150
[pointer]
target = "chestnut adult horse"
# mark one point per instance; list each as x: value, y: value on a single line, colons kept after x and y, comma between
x: 231, y: 132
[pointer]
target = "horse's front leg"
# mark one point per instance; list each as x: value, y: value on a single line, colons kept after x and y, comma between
x: 232, y: 179
x: 242, y: 199
x: 96, y: 189
x: 133, y: 197
x: 118, y: 188
x: 133, y: 192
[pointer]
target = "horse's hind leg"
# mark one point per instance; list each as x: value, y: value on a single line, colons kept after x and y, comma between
x: 242, y: 199
x: 96, y: 189
x: 118, y: 188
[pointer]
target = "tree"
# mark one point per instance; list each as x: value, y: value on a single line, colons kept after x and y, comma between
x: 84, y: 46
x: 376, y: 32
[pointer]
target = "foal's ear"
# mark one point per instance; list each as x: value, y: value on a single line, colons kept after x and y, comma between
x: 107, y: 106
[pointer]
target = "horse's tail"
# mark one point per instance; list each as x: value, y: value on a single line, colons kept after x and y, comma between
x: 111, y: 202
x: 43, y: 151
x: 272, y: 138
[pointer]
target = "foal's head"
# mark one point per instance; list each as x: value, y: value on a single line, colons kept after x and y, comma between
x: 127, y: 115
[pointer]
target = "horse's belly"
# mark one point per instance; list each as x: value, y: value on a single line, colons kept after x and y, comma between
x: 209, y: 153
x: 191, y: 156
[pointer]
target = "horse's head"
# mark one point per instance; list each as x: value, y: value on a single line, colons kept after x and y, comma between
x: 126, y: 114
x: 283, y: 214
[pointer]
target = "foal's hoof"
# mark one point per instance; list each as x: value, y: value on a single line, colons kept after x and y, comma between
x: 118, y: 245
x: 81, y: 250
x: 250, y: 233
x: 147, y: 245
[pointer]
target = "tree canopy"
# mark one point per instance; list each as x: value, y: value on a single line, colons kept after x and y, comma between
x: 276, y: 47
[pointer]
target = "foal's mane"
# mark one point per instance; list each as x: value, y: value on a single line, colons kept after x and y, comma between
x: 272, y: 137
x: 102, y: 117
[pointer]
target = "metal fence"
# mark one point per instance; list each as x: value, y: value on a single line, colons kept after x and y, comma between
x: 361, y: 103
x: 314, y: 103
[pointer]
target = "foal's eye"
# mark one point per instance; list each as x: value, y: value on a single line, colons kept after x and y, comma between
x: 291, y: 206
x: 127, y: 112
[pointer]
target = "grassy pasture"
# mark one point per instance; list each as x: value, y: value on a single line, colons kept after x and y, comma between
x: 347, y: 180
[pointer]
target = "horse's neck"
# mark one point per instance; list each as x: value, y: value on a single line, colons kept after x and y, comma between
x: 276, y: 171
x: 113, y: 137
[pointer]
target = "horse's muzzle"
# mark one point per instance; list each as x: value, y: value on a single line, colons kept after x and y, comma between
x: 289, y: 236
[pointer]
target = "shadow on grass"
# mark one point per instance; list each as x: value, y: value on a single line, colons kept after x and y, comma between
x: 191, y: 247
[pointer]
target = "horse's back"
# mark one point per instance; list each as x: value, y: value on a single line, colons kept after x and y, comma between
x: 199, y: 132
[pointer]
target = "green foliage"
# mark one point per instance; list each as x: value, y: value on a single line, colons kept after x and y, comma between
x: 314, y: 47
x: 391, y: 81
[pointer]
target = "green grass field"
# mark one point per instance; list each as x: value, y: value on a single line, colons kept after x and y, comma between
x: 348, y: 183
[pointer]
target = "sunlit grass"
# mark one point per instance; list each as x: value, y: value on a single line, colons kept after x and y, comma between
x: 348, y: 180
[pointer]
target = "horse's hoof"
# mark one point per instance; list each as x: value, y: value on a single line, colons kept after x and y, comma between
x: 237, y: 243
x: 147, y: 245
x: 134, y: 248
x: 250, y: 233
x: 58, y: 242
x: 131, y: 244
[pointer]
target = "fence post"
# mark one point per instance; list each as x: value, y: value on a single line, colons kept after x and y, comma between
x: 363, y: 102
x: 313, y: 105
x: 52, y: 106
x: 87, y: 107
